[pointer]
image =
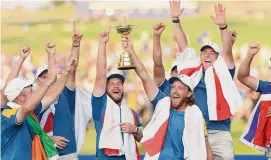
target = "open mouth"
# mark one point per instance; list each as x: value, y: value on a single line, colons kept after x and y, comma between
x: 175, y: 97
x: 116, y: 92
x: 208, y: 61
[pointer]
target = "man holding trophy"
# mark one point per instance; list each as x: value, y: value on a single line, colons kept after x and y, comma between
x: 126, y: 62
x: 176, y: 130
x: 117, y: 126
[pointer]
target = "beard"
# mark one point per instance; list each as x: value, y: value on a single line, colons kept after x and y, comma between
x: 176, y: 104
x: 116, y: 100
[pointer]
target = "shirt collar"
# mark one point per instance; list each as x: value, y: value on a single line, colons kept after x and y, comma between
x: 13, y: 105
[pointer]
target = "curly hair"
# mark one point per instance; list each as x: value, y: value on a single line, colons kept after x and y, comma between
x: 191, y: 100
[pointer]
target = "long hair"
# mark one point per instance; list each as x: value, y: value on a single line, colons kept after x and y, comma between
x: 191, y: 100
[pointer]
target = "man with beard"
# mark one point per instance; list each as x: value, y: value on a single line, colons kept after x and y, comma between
x: 218, y: 123
x: 261, y: 127
x: 159, y: 73
x: 176, y: 129
x: 117, y: 126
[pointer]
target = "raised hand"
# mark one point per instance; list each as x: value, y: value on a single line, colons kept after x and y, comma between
x: 52, y: 75
x: 220, y: 16
x: 50, y: 48
x: 158, y: 29
x: 104, y: 36
x: 72, y: 64
x: 25, y: 52
x: 253, y: 49
x: 175, y: 10
x: 126, y: 43
x: 233, y: 34
x: 76, y: 35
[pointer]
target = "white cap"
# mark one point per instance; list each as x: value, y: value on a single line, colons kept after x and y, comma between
x: 15, y: 87
x: 184, y: 79
x: 116, y: 74
x: 212, y: 45
x: 41, y: 69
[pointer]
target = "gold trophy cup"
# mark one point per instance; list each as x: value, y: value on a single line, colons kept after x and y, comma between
x: 126, y: 61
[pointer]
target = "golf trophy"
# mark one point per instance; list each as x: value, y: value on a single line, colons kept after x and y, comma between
x: 126, y: 61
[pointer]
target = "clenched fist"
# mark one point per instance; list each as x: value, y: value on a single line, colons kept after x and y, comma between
x: 50, y: 48
x: 126, y: 43
x: 253, y: 49
x: 25, y: 52
x: 233, y: 36
x: 158, y: 29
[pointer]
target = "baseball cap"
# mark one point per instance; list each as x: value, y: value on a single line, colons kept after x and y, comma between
x: 15, y: 87
x: 41, y: 70
x: 212, y: 45
x: 184, y: 79
x: 116, y: 74
x: 174, y: 64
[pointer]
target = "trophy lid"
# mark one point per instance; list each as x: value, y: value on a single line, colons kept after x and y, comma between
x: 124, y: 28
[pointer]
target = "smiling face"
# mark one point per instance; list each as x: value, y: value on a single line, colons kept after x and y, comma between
x: 179, y: 94
x: 24, y: 95
x: 114, y: 89
x: 208, y: 57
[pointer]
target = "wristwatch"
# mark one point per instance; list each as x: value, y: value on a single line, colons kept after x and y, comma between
x: 224, y: 27
x: 176, y: 21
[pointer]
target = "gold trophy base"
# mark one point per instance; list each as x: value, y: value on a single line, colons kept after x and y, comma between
x: 126, y: 67
x: 126, y: 62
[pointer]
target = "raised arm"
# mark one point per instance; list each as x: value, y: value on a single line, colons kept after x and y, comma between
x: 244, y: 69
x: 100, y: 81
x: 158, y: 67
x: 75, y: 50
x: 56, y: 89
x: 33, y: 101
x: 51, y: 52
x: 15, y: 72
x: 221, y: 21
x: 175, y: 12
x: 150, y: 87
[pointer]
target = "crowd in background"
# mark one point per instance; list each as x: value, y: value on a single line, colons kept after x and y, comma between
x: 134, y: 93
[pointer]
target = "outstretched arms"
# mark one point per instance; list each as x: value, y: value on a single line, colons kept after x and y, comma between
x: 244, y: 69
x: 175, y: 12
x: 32, y: 102
x: 158, y: 68
x: 75, y: 50
x: 55, y: 90
x: 226, y: 36
x: 100, y: 81
x: 15, y: 72
x: 150, y: 87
